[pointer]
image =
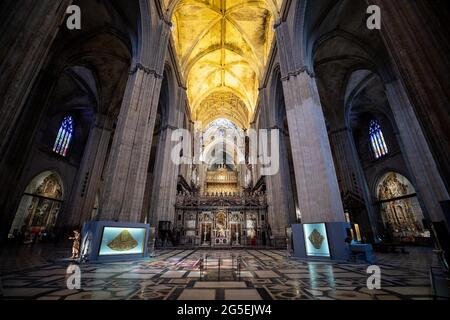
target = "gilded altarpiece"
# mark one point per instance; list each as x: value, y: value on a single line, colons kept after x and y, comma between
x: 39, y: 208
x: 210, y: 220
x: 400, y: 209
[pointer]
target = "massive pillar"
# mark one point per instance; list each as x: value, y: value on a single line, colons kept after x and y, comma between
x: 125, y: 180
x: 353, y: 184
x: 164, y: 187
x: 278, y: 195
x: 281, y: 210
x: 89, y: 176
x: 317, y: 187
x: 416, y: 35
x: 429, y: 183
x: 318, y: 193
x: 185, y: 170
x: 28, y: 30
x: 281, y: 207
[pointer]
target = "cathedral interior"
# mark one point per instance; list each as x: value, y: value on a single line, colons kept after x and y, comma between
x: 222, y: 124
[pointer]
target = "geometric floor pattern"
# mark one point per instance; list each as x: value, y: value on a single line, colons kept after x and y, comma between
x: 40, y: 273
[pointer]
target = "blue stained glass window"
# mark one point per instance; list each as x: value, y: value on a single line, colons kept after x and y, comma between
x: 377, y: 141
x: 64, y: 136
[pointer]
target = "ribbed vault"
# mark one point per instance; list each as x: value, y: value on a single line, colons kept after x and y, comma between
x: 222, y: 47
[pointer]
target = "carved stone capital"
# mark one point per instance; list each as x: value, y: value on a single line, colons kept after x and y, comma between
x: 147, y: 70
x: 295, y: 73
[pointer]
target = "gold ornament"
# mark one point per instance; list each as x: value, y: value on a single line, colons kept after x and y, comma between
x: 123, y: 242
x: 316, y: 239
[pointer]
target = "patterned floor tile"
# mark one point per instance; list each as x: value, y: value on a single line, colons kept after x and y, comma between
x: 197, y: 294
x: 242, y: 294
x: 39, y: 272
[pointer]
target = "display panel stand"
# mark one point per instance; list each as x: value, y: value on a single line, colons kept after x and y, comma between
x: 105, y: 241
x: 325, y: 241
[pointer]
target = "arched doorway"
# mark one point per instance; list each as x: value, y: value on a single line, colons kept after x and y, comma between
x: 38, y: 208
x: 400, y: 209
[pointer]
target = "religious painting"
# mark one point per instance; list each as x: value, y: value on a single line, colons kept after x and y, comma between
x: 122, y: 241
x: 43, y: 209
x: 43, y: 213
x: 50, y: 188
x: 316, y: 240
x: 252, y: 223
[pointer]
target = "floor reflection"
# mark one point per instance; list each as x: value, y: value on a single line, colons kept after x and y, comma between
x: 40, y: 273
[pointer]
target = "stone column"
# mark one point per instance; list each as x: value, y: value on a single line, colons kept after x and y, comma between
x: 164, y: 189
x: 416, y: 35
x: 429, y: 183
x: 317, y: 187
x: 122, y: 196
x: 318, y: 193
x: 241, y: 162
x: 351, y: 176
x: 202, y: 168
x: 254, y: 162
x: 281, y: 206
x: 28, y: 30
x: 281, y: 209
x: 125, y: 180
x: 89, y: 176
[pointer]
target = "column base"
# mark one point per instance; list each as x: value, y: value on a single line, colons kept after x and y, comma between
x: 321, y: 240
x: 278, y: 241
x: 113, y: 241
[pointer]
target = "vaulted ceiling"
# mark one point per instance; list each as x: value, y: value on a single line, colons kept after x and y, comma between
x: 222, y: 48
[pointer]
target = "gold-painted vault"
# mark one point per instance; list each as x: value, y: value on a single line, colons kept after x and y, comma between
x: 222, y: 47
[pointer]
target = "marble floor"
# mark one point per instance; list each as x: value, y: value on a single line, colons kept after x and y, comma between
x: 40, y: 272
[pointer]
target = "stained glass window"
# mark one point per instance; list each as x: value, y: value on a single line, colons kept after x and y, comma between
x: 377, y: 141
x: 64, y: 137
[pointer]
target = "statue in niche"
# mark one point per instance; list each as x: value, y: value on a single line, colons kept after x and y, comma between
x: 248, y: 176
x: 251, y: 226
x: 220, y: 223
x: 195, y: 175
x: 221, y: 231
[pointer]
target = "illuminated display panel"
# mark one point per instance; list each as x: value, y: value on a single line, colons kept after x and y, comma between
x: 122, y: 241
x: 316, y: 240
